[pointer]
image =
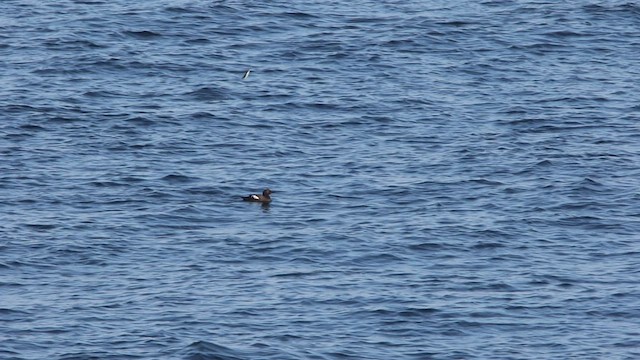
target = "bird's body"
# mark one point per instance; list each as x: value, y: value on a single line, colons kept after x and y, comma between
x: 264, y: 198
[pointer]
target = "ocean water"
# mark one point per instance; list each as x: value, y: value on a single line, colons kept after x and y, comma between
x: 452, y: 179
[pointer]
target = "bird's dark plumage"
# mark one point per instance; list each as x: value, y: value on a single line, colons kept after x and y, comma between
x: 264, y: 198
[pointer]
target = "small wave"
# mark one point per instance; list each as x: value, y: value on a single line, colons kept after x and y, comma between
x: 201, y: 350
x: 427, y: 246
x: 20, y: 108
x: 72, y: 44
x: 180, y: 10
x: 627, y: 9
x: 10, y: 312
x: 32, y: 127
x: 143, y: 34
x: 141, y: 121
x: 378, y: 259
x: 209, y: 93
x: 418, y: 312
x: 298, y: 15
x: 524, y: 121
x: 64, y: 119
x: 589, y: 186
x: 590, y: 182
x: 457, y: 23
x: 40, y: 227
x: 203, y: 115
x: 106, y: 184
x: 102, y: 94
x: 177, y: 179
x: 485, y: 182
x: 564, y: 34
x: 487, y: 246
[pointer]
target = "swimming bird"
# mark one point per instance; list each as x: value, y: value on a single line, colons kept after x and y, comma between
x: 246, y: 74
x: 264, y: 198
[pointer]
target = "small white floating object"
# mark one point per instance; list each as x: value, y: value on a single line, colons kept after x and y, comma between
x: 246, y: 74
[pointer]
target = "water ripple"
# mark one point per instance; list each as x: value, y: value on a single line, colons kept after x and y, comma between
x: 444, y: 173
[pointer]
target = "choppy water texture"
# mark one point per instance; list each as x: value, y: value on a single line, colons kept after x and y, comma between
x: 453, y: 179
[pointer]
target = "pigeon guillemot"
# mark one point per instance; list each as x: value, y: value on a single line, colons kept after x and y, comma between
x: 264, y: 198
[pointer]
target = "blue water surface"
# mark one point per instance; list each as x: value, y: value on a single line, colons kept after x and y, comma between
x: 452, y: 179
